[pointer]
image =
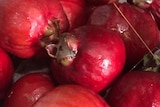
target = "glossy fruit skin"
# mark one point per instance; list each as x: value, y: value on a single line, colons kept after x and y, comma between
x: 24, y: 22
x: 28, y: 89
x: 99, y: 60
x: 136, y: 89
x: 155, y: 9
x: 75, y: 11
x: 71, y: 96
x: 152, y: 6
x: 110, y: 18
x: 6, y: 72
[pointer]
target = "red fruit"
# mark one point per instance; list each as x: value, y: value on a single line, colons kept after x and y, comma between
x: 28, y: 89
x: 6, y: 72
x: 155, y: 10
x: 71, y: 96
x: 75, y: 11
x: 150, y: 5
x: 90, y: 56
x: 136, y: 89
x: 110, y: 18
x: 24, y: 22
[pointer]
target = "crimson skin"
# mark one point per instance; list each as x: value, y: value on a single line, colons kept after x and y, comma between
x: 155, y: 10
x: 6, y: 72
x: 71, y: 96
x: 136, y: 89
x: 24, y: 22
x: 99, y: 59
x: 108, y: 17
x: 28, y: 89
x: 75, y: 11
x: 152, y: 6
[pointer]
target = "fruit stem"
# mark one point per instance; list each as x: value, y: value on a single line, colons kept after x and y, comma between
x: 59, y: 46
x: 52, y: 33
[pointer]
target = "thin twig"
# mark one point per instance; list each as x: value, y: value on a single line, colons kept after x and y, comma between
x: 138, y: 35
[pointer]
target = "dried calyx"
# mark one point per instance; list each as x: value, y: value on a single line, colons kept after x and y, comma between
x: 152, y: 63
x: 60, y: 46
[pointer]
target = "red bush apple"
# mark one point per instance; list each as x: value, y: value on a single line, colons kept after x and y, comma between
x: 28, y: 89
x: 24, y: 22
x: 75, y: 11
x: 136, y: 89
x: 152, y: 6
x: 71, y: 96
x: 6, y: 72
x: 90, y: 56
x: 109, y: 17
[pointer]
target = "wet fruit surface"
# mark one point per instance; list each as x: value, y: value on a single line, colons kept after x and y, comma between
x: 100, y: 58
x: 136, y: 88
x: 109, y: 17
x: 79, y: 53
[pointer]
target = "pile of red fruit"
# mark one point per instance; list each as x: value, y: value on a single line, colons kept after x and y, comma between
x: 79, y: 53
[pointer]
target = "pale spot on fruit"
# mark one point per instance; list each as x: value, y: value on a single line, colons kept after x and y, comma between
x: 11, y: 93
x: 154, y: 105
x: 121, y: 28
x: 151, y: 85
x: 36, y: 25
x: 104, y: 15
x: 16, y: 16
x: 97, y: 78
x: 37, y: 21
x: 105, y: 64
x: 29, y: 97
x: 36, y: 94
